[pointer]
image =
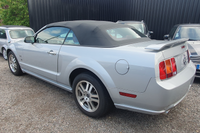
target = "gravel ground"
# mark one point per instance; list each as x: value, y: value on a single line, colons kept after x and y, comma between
x: 28, y: 104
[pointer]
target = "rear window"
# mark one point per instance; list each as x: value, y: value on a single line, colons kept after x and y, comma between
x: 139, y: 27
x: 15, y: 34
x: 121, y: 34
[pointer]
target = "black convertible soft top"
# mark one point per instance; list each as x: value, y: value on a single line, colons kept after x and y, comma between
x: 93, y: 33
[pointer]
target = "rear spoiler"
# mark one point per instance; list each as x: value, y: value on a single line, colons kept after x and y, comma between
x: 164, y: 44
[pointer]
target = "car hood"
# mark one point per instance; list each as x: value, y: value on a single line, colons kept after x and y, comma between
x: 194, y: 47
x: 17, y: 40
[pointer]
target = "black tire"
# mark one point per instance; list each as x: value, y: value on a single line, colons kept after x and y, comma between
x: 91, y: 108
x: 4, y: 53
x: 14, y: 64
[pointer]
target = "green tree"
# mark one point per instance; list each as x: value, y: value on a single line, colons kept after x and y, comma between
x: 14, y: 12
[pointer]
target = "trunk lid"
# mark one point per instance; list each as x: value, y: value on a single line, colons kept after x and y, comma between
x: 177, y: 49
x: 162, y: 51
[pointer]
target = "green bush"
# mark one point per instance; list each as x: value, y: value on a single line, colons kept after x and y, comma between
x: 14, y: 12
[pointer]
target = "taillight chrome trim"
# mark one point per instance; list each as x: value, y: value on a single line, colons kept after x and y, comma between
x: 188, y: 54
x: 169, y: 69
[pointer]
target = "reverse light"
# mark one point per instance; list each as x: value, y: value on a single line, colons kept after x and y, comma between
x: 167, y: 68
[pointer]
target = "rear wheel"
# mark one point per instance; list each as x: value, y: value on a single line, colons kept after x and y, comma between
x: 13, y: 64
x: 91, y: 96
x: 4, y: 53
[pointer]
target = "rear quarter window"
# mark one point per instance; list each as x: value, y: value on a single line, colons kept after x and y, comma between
x: 121, y: 34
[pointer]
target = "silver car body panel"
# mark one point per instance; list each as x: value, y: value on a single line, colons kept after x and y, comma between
x: 168, y: 93
x: 41, y: 59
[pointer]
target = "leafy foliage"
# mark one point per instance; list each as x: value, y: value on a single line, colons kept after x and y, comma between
x: 14, y: 12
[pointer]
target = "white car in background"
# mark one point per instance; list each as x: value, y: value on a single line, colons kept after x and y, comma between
x: 192, y: 33
x: 12, y: 33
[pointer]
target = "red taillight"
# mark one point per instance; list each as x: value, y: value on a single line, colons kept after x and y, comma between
x: 162, y: 70
x: 188, y: 53
x: 167, y: 68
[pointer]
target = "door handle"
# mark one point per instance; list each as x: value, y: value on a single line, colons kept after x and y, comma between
x: 51, y: 52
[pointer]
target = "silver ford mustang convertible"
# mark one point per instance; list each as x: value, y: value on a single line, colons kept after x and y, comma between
x: 105, y: 64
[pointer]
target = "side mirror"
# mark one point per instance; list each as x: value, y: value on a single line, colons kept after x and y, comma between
x: 166, y: 37
x: 150, y: 32
x: 29, y: 39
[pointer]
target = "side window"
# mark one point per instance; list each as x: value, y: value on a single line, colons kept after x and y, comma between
x: 177, y: 35
x: 2, y: 34
x: 171, y: 33
x: 71, y: 39
x: 52, y: 35
x: 145, y: 28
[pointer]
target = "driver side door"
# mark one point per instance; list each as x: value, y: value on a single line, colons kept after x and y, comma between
x: 41, y: 57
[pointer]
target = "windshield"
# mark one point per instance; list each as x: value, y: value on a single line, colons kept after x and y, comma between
x: 139, y: 27
x: 15, y: 34
x: 121, y: 34
x: 193, y: 33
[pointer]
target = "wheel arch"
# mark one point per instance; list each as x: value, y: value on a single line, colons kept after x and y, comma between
x: 78, y: 71
x: 8, y: 50
x: 12, y: 48
x: 3, y: 47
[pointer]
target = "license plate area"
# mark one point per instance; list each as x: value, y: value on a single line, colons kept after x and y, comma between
x: 184, y: 59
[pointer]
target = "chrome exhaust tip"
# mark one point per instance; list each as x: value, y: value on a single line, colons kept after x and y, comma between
x: 166, y: 112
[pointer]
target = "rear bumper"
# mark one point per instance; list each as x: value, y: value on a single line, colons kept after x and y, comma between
x: 197, y: 74
x: 161, y: 96
x: 196, y: 61
x: 197, y: 71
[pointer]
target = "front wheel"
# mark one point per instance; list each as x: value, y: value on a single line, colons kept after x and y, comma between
x: 91, y: 96
x: 4, y: 53
x: 13, y: 64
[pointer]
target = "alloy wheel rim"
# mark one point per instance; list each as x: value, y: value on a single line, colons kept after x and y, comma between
x: 87, y: 96
x: 13, y: 63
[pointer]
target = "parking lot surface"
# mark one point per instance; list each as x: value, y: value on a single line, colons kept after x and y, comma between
x: 28, y: 104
